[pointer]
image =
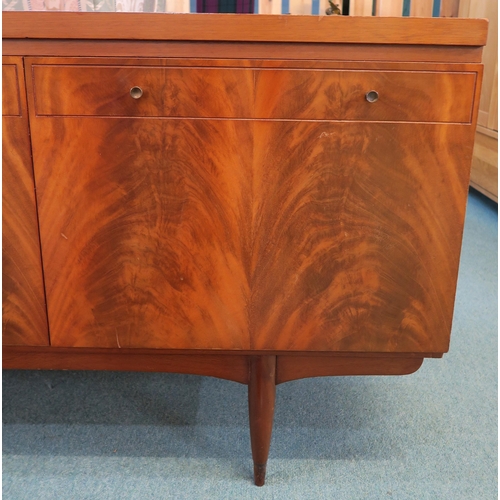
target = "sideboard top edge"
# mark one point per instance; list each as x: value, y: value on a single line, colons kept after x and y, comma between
x: 244, y: 28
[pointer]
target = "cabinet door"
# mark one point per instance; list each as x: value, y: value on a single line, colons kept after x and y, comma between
x: 24, y: 318
x: 251, y: 234
x: 359, y: 234
x: 145, y: 228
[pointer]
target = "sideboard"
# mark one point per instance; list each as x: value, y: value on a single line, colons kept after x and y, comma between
x: 256, y: 198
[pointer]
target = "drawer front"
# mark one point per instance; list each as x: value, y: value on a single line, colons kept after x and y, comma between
x: 246, y: 93
x: 186, y: 92
x: 408, y: 96
x: 177, y: 92
x: 10, y: 91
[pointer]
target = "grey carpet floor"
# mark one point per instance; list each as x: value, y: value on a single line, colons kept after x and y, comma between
x: 431, y: 435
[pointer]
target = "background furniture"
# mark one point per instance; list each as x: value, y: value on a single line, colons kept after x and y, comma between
x: 206, y: 209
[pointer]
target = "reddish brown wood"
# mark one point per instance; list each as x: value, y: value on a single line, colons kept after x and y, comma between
x: 11, y: 104
x: 296, y: 367
x: 408, y: 96
x: 226, y: 366
x: 261, y: 398
x: 252, y: 93
x: 235, y: 50
x: 144, y: 236
x: 365, y: 244
x: 24, y: 318
x: 147, y: 64
x: 176, y: 92
x: 252, y: 217
x: 89, y: 351
x: 246, y: 254
x: 233, y: 27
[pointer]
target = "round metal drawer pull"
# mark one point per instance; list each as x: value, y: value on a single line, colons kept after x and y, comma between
x: 136, y: 92
x: 372, y: 96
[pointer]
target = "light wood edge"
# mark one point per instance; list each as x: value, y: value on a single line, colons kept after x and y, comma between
x: 234, y: 27
x: 487, y: 131
x: 484, y: 191
x: 493, y: 107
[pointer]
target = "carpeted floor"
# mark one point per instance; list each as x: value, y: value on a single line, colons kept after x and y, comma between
x: 431, y: 435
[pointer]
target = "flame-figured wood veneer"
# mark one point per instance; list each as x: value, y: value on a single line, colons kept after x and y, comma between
x: 250, y: 234
x: 250, y: 217
x: 24, y: 317
x: 259, y: 93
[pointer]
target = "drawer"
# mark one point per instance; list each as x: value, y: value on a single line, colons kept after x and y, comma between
x: 186, y: 92
x: 252, y: 93
x: 177, y: 92
x: 413, y: 96
x: 11, y: 105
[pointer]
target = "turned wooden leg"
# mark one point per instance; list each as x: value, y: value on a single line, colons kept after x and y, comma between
x: 261, y: 396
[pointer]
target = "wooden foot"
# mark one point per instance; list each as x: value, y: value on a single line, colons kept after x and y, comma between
x: 261, y: 397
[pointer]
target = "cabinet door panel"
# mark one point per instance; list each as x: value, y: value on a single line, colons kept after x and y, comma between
x: 143, y: 231
x: 24, y: 318
x: 221, y: 234
x: 361, y: 246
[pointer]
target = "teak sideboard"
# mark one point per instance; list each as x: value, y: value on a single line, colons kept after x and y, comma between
x: 257, y: 198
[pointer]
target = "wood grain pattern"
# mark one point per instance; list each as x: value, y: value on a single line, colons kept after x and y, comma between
x: 277, y: 242
x: 356, y: 249
x: 181, y: 92
x: 408, y: 96
x: 293, y: 368
x: 253, y: 93
x: 229, y: 367
x: 24, y: 319
x: 145, y: 242
x: 186, y: 92
x: 261, y: 50
x: 234, y: 27
x: 261, y: 401
x: 11, y: 105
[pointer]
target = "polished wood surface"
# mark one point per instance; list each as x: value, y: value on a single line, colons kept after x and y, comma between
x: 24, y: 318
x: 145, y: 236
x: 225, y: 366
x: 250, y: 217
x: 408, y: 96
x: 296, y: 367
x: 261, y: 401
x: 159, y: 243
x: 234, y: 27
x: 253, y: 93
x: 11, y: 104
x: 246, y: 50
x: 359, y: 251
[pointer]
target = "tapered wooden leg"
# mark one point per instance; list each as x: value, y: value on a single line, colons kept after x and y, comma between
x: 261, y: 397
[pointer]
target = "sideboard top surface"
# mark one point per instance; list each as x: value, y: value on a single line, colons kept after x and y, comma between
x: 245, y: 28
